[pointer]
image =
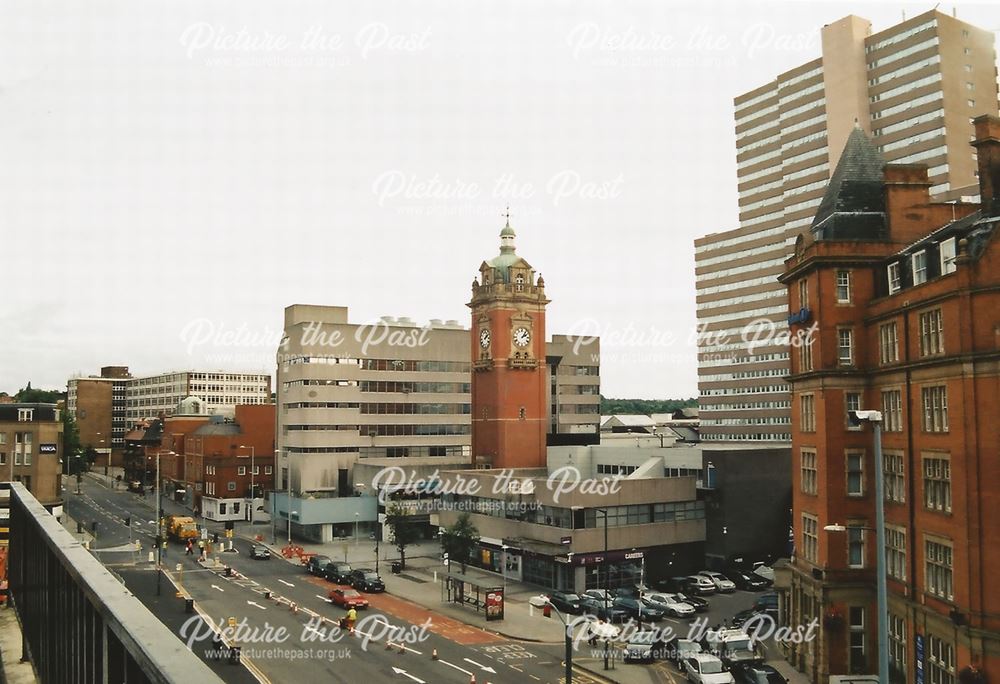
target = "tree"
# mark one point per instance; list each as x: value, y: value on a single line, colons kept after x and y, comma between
x: 29, y: 395
x: 644, y: 406
x: 459, y: 540
x: 404, y: 531
x: 71, y: 439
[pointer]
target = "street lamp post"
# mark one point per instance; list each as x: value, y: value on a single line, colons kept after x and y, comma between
x: 253, y: 492
x: 357, y: 518
x: 159, y: 525
x: 607, y: 580
x: 569, y: 645
x: 503, y: 568
x: 875, y: 418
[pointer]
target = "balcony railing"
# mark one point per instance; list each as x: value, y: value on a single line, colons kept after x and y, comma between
x: 79, y: 623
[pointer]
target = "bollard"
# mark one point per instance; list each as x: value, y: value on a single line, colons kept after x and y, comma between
x: 189, y: 605
x: 434, y: 654
x: 402, y: 648
x: 267, y: 594
x: 229, y: 571
x: 234, y: 655
x: 388, y: 645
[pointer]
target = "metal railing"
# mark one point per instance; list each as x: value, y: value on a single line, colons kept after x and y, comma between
x: 79, y: 623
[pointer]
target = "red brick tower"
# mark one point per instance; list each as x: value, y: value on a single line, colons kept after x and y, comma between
x: 509, y: 412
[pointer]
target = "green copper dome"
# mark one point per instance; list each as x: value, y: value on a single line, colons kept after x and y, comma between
x: 507, y: 256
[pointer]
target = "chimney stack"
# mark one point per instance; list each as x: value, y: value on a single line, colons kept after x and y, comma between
x: 987, y: 144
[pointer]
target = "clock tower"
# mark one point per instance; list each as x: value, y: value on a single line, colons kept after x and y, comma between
x: 509, y: 373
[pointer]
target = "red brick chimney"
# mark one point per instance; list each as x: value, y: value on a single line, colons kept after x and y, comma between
x: 987, y: 144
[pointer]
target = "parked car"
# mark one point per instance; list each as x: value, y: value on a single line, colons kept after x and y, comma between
x: 704, y: 668
x: 566, y: 602
x: 638, y: 609
x: 748, y: 581
x: 757, y: 674
x: 260, y: 552
x: 595, y: 606
x: 767, y: 603
x: 670, y: 604
x: 338, y: 571
x: 640, y: 646
x: 677, y: 649
x: 316, y: 564
x: 135, y: 487
x: 742, y: 617
x: 539, y: 600
x: 731, y: 645
x: 766, y: 572
x: 363, y: 579
x: 599, y: 594
x: 347, y: 598
x: 699, y: 584
x: 723, y: 584
x: 698, y: 603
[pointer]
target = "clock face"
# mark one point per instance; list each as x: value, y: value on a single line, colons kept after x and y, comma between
x: 484, y: 338
x: 522, y: 337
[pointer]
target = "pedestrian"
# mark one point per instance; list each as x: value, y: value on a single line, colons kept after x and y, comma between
x: 201, y: 550
x: 190, y: 548
x: 352, y: 616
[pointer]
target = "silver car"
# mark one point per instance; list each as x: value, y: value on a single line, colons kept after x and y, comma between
x: 722, y: 583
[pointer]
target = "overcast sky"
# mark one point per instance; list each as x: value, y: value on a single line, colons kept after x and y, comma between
x: 179, y: 171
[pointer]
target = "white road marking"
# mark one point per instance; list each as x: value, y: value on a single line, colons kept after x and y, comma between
x: 480, y: 666
x: 321, y: 598
x: 287, y: 584
x: 252, y: 603
x: 217, y: 587
x: 460, y: 669
x: 407, y: 674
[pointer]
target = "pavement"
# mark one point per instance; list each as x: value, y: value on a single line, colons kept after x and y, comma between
x: 12, y: 670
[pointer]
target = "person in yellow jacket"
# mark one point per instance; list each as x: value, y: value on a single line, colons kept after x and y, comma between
x: 352, y: 616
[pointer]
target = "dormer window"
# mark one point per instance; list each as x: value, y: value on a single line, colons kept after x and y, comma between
x: 25, y: 415
x: 519, y: 282
x: 893, y: 273
x: 919, y: 263
x: 948, y: 256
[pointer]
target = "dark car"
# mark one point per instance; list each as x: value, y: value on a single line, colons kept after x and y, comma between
x: 699, y: 604
x: 316, y: 564
x: 366, y: 580
x: 338, y: 572
x: 591, y: 605
x: 566, y: 602
x: 756, y: 674
x: 637, y: 609
x: 767, y: 603
x: 746, y: 580
x: 260, y: 552
x: 743, y: 616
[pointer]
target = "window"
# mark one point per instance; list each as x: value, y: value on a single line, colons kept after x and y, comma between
x: 807, y: 418
x: 895, y: 477
x: 231, y: 486
x: 895, y: 552
x: 803, y: 294
x: 940, y: 661
x: 855, y: 473
x: 27, y: 458
x: 937, y: 484
x: 893, y: 273
x: 222, y: 509
x: 935, y: 405
x: 897, y: 648
x: 892, y: 410
x: 25, y: 415
x: 810, y: 537
x: 919, y: 263
x: 806, y: 356
x: 857, y: 655
x: 242, y: 470
x: 845, y: 347
x: 3, y: 458
x: 931, y: 333
x: 855, y: 546
x: 808, y: 471
x: 256, y: 470
x: 852, y: 402
x: 948, y: 256
x: 938, y: 559
x: 888, y: 343
x: 268, y: 470
x: 843, y: 287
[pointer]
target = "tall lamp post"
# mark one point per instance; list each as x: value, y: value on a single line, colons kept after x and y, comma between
x: 160, y: 539
x: 569, y: 644
x: 607, y: 580
x: 253, y: 492
x: 875, y: 418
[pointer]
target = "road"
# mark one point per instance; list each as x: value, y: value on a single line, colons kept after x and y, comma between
x: 397, y: 639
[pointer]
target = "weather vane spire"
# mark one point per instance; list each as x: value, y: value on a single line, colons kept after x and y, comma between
x: 506, y: 215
